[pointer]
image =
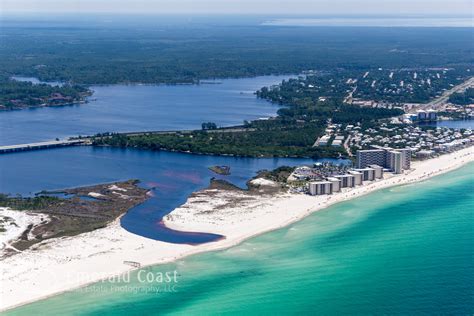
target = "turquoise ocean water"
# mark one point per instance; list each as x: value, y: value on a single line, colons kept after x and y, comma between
x: 406, y: 250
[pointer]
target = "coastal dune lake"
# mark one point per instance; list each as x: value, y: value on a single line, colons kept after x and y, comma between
x: 397, y: 251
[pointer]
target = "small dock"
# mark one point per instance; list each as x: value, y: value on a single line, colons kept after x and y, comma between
x: 41, y: 145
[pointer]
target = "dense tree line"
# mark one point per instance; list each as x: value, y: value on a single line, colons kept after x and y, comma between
x: 29, y: 203
x: 282, y: 141
x: 171, y: 53
x: 463, y: 98
x: 16, y: 94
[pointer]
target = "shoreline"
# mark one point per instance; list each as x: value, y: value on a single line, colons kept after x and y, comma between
x: 105, y: 249
x: 31, y: 107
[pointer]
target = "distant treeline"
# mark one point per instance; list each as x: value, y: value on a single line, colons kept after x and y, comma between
x: 162, y: 53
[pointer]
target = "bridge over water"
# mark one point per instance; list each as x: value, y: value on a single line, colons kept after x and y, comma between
x: 87, y: 140
x: 40, y: 145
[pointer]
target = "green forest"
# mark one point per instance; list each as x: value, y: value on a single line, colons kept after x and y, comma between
x: 463, y: 98
x: 166, y: 51
x: 18, y: 95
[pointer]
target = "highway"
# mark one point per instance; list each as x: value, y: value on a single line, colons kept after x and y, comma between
x: 443, y: 99
x: 40, y: 145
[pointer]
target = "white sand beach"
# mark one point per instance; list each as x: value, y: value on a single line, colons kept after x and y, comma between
x: 62, y: 264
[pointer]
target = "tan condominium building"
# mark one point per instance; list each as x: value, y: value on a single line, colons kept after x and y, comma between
x: 385, y: 157
x: 347, y: 180
x: 320, y: 187
x: 378, y: 171
x: 335, y: 184
x: 358, y: 178
x: 368, y: 174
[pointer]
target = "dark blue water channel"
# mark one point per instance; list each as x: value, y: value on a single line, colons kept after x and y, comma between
x: 457, y: 124
x: 171, y: 177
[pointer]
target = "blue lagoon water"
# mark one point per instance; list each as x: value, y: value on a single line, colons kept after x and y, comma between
x: 122, y: 108
x: 171, y: 177
x: 457, y: 124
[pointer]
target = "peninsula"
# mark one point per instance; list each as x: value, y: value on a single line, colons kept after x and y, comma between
x: 68, y: 212
x: 17, y: 95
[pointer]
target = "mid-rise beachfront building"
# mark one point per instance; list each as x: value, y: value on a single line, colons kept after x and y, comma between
x: 406, y: 157
x: 335, y: 184
x: 347, y: 180
x: 369, y: 157
x: 357, y: 177
x: 378, y: 171
x: 368, y: 174
x: 395, y: 161
x: 320, y: 187
x: 354, y: 177
x: 385, y: 157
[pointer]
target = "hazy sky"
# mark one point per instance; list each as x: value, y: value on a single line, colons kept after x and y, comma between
x: 418, y: 7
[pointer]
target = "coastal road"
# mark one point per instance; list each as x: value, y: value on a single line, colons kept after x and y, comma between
x: 443, y: 99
